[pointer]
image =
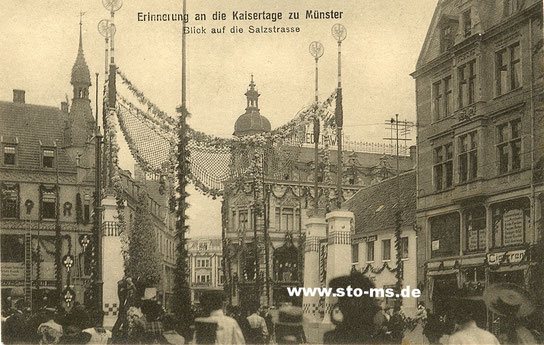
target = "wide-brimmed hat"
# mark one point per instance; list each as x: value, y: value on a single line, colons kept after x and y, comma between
x: 289, y: 316
x: 508, y: 299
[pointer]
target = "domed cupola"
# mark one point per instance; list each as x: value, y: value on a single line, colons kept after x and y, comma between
x: 251, y: 122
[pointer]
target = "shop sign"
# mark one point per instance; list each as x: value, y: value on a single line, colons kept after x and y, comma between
x: 435, y: 245
x: 513, y: 227
x: 514, y: 256
x: 369, y: 238
x: 12, y: 270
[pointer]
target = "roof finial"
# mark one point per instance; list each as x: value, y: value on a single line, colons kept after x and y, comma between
x: 80, y: 30
x: 252, y: 84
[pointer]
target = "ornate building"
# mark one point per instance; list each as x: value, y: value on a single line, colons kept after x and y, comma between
x: 479, y: 83
x: 264, y: 246
x: 206, y: 266
x: 47, y: 183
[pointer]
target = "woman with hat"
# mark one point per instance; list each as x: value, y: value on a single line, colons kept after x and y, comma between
x: 513, y: 304
x: 289, y: 329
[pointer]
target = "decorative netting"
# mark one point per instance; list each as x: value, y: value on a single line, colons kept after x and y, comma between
x: 151, y: 136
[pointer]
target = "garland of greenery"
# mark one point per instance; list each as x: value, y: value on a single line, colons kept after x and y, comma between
x: 144, y: 260
x: 398, y: 250
x: 79, y: 209
x: 182, y: 293
x: 378, y: 270
x: 283, y: 132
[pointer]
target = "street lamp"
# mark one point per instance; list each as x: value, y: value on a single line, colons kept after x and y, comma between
x: 316, y: 50
x: 339, y: 33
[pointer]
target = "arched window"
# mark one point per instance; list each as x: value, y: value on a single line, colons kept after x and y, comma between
x: 286, y: 263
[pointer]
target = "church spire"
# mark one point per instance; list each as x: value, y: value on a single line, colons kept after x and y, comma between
x: 81, y: 77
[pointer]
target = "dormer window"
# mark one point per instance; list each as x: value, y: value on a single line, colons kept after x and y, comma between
x: 467, y: 23
x: 446, y: 38
x: 48, y: 158
x: 9, y: 154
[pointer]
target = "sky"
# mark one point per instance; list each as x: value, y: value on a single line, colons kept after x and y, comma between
x: 384, y: 38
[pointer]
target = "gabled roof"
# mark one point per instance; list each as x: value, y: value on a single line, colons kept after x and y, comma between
x: 374, y: 207
x: 32, y: 127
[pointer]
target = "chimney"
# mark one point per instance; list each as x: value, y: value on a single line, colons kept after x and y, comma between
x: 18, y: 96
x: 64, y: 106
x: 413, y: 152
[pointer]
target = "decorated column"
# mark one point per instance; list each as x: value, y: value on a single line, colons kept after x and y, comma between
x: 316, y: 230
x: 339, y: 224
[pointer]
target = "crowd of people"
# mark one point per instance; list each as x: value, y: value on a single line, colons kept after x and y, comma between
x: 362, y: 320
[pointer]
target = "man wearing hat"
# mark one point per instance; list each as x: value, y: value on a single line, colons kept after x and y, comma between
x: 289, y: 328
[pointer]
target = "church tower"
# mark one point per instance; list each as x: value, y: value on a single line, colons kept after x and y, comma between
x: 80, y: 122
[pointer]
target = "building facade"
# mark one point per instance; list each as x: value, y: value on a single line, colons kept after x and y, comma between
x: 264, y: 250
x: 377, y: 209
x: 162, y: 225
x: 206, y: 266
x: 47, y: 186
x: 480, y: 149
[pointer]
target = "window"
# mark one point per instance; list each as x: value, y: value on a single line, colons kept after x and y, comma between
x: 370, y: 251
x: 13, y: 249
x: 443, y: 167
x: 10, y: 201
x: 234, y: 220
x: 243, y: 220
x: 437, y: 100
x: 475, y: 229
x: 386, y: 249
x: 508, y: 69
x: 48, y: 158
x: 49, y: 203
x: 221, y: 279
x: 442, y: 98
x: 512, y: 6
x: 467, y: 79
x: 467, y: 23
x: 446, y: 38
x: 9, y: 155
x: 287, y: 219
x: 404, y: 247
x: 445, y: 232
x: 468, y: 156
x: 202, y: 278
x: 202, y: 263
x: 509, y: 146
x: 355, y: 252
x: 511, y: 221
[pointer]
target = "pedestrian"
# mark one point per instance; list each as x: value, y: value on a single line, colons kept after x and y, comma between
x: 227, y: 330
x: 98, y: 334
x: 257, y: 330
x: 468, y: 332
x: 265, y: 313
x: 354, y: 317
x: 153, y: 327
x: 289, y: 326
x: 514, y: 305
x: 396, y: 325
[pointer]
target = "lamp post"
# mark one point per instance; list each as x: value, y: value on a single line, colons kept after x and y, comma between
x: 316, y: 50
x: 339, y: 33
